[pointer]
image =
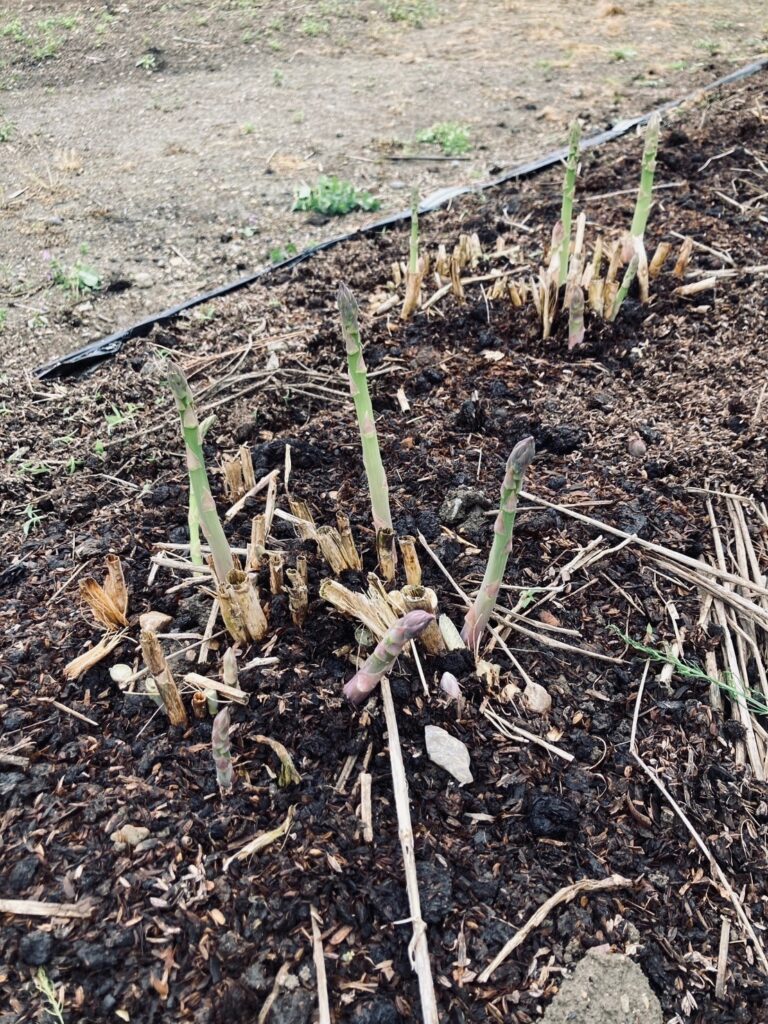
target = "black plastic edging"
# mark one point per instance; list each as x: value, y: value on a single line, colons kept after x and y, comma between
x: 104, y: 348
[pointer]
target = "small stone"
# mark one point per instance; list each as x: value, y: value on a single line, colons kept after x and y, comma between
x: 536, y: 699
x: 35, y: 948
x: 142, y: 279
x: 636, y: 446
x: 450, y: 684
x: 155, y: 621
x: 448, y: 753
x: 605, y: 988
x: 130, y: 835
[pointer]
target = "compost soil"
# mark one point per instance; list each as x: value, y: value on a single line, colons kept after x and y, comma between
x: 95, y: 465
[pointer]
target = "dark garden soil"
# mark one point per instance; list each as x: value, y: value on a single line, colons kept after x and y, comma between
x: 175, y: 937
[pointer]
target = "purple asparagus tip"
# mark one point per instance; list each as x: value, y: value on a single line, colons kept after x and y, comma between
x: 522, y: 455
x: 387, y: 651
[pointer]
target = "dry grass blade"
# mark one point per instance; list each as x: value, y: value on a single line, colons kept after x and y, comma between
x: 564, y: 895
x: 37, y: 908
x: 418, y: 949
x: 262, y: 841
x: 323, y: 1006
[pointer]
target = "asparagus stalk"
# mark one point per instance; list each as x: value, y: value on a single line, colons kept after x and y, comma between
x: 413, y: 254
x: 569, y: 190
x: 645, y: 191
x: 200, y: 489
x: 222, y: 751
x: 358, y: 386
x: 387, y: 651
x: 193, y: 519
x: 478, y: 615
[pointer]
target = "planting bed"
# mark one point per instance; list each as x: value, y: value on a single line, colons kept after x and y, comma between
x: 629, y: 427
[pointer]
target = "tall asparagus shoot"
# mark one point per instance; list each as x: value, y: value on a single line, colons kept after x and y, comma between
x: 478, y: 615
x: 358, y: 386
x: 222, y: 751
x: 200, y: 489
x: 645, y: 191
x: 413, y: 252
x: 193, y: 519
x: 387, y: 651
x: 569, y: 190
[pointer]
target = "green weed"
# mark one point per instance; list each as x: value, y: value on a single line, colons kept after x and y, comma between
x: 450, y: 136
x: 413, y: 12
x: 312, y: 27
x: 281, y: 253
x: 729, y: 684
x: 118, y: 418
x: 33, y: 517
x: 77, y: 279
x: 6, y: 131
x: 44, y: 985
x: 333, y: 197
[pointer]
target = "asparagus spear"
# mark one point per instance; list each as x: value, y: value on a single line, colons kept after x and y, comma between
x: 478, y: 615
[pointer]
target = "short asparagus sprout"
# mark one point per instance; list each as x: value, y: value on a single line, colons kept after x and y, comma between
x: 222, y: 751
x: 478, y: 615
x: 358, y: 386
x: 200, y: 489
x: 569, y: 190
x: 387, y: 651
x: 626, y: 283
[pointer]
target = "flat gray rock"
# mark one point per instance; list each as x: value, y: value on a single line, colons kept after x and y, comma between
x: 605, y: 988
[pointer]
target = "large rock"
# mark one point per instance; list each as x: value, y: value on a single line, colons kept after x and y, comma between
x: 605, y: 988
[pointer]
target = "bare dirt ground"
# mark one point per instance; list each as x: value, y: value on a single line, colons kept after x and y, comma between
x: 155, y: 148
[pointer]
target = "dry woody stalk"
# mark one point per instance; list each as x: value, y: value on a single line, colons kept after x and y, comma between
x: 158, y: 668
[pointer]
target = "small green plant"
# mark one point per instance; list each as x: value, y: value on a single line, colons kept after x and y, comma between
x: 686, y: 670
x: 358, y: 386
x: 3, y: 317
x: 6, y: 131
x: 278, y: 77
x: 34, y: 469
x: 478, y: 615
x: 333, y: 197
x: 413, y: 12
x: 312, y: 27
x: 450, y: 136
x: 33, y: 517
x: 623, y: 53
x: 281, y: 253
x: 44, y: 985
x: 118, y: 417
x: 248, y: 128
x: 99, y: 448
x: 77, y: 279
x: 148, y: 62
